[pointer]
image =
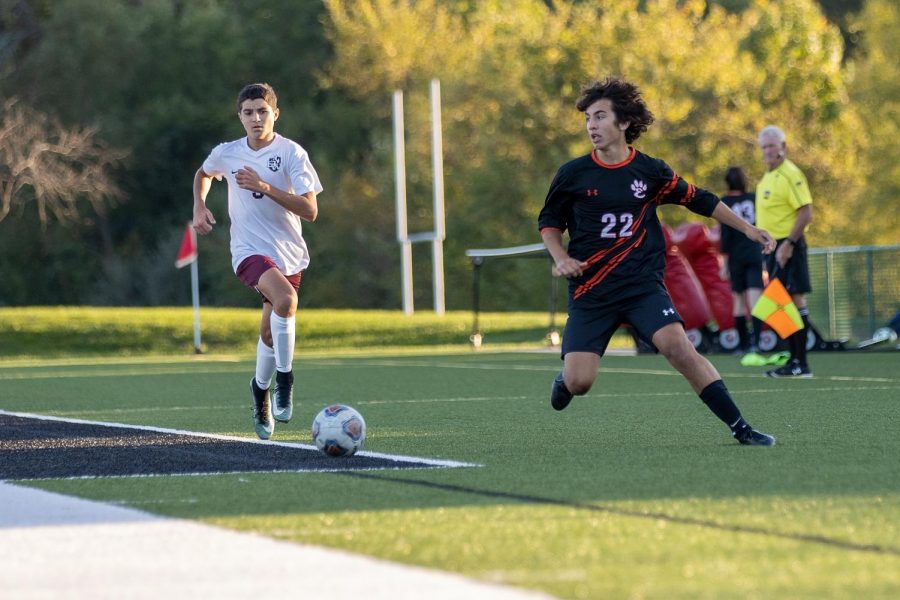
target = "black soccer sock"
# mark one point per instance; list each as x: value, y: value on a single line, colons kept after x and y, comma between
x: 801, y: 337
x: 719, y: 401
x: 740, y: 323
x: 754, y: 333
x: 794, y: 343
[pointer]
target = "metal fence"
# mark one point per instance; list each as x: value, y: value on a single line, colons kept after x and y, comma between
x: 855, y: 290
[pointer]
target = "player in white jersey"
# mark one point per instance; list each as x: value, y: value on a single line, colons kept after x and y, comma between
x: 272, y: 189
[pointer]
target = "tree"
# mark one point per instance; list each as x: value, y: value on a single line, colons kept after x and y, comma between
x: 876, y: 91
x: 510, y: 73
x: 54, y: 166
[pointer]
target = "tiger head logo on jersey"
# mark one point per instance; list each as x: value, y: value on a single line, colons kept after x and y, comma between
x: 274, y: 163
x: 639, y: 188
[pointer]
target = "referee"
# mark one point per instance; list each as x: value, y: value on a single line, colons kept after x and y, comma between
x: 784, y: 208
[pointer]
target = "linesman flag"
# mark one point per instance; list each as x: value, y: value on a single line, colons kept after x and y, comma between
x: 188, y: 251
x: 776, y: 309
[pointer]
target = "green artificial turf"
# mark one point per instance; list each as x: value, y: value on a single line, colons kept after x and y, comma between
x: 635, y: 491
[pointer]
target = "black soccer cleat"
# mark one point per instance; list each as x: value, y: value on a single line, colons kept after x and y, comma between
x: 262, y: 411
x: 560, y: 396
x: 791, y: 369
x: 283, y: 396
x: 750, y: 437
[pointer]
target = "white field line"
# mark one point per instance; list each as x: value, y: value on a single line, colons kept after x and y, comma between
x: 555, y: 369
x: 398, y: 363
x: 55, y: 546
x: 231, y: 438
x: 132, y: 372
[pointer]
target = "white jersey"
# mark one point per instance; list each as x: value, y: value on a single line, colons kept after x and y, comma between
x: 259, y: 225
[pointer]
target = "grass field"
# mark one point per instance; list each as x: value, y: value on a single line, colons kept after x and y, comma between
x: 635, y: 491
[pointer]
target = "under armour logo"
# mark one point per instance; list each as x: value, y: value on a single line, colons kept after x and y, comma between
x: 639, y: 188
x: 593, y: 192
x: 668, y: 311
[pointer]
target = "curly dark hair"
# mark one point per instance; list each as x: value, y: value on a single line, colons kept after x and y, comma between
x: 255, y: 91
x: 627, y: 103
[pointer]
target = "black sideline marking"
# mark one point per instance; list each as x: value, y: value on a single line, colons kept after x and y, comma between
x: 529, y: 499
x: 43, y: 448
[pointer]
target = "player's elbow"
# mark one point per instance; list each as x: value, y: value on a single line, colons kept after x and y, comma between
x: 311, y: 209
x: 310, y: 206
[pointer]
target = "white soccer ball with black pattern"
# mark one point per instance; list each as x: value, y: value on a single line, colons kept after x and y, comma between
x: 339, y: 430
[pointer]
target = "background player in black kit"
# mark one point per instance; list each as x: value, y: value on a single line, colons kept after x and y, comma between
x: 616, y: 256
x: 744, y: 264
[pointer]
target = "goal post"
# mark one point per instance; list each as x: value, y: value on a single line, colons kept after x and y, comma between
x: 480, y: 256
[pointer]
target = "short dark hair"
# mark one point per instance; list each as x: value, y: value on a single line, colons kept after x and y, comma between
x: 627, y: 103
x: 255, y: 91
x: 736, y: 179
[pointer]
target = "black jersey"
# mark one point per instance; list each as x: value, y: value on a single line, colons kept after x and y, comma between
x: 735, y: 244
x: 610, y: 213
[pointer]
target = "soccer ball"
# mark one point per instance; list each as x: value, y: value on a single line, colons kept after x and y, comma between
x: 338, y: 430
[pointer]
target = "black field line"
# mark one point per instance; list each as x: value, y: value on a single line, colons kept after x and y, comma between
x: 529, y: 499
x: 395, y: 458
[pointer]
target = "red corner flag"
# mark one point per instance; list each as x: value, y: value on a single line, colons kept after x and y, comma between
x: 188, y: 251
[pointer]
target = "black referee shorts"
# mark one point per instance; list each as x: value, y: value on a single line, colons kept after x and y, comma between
x: 795, y: 274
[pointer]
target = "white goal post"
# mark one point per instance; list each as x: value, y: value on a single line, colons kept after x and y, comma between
x: 435, y: 237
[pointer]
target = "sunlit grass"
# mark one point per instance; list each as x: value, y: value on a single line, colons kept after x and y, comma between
x: 635, y: 491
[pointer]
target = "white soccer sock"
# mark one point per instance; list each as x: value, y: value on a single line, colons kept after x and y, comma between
x: 265, y: 365
x: 283, y: 335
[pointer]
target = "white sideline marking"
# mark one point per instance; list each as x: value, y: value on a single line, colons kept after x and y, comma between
x: 433, y: 462
x: 55, y: 546
x: 667, y: 372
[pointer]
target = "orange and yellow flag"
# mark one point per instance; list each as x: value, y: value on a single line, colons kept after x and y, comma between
x: 776, y: 309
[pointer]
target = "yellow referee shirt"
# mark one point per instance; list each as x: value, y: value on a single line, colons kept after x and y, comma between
x: 778, y: 196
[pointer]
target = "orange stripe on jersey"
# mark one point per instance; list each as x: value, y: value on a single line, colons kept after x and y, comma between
x: 664, y: 190
x: 691, y: 192
x: 595, y: 258
x: 608, y: 267
x: 616, y: 165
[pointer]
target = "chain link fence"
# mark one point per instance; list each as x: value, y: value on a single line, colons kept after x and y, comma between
x: 855, y: 290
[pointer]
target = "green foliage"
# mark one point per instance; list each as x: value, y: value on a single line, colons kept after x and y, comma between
x: 159, y: 77
x: 876, y: 91
x: 510, y: 70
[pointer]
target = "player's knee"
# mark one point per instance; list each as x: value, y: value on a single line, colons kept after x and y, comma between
x: 678, y: 352
x: 579, y: 384
x: 286, y: 305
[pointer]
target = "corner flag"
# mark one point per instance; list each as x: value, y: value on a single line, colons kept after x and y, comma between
x: 187, y: 255
x: 776, y: 309
x: 188, y: 251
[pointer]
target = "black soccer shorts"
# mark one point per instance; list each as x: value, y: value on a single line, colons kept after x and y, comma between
x: 745, y: 275
x: 589, y: 329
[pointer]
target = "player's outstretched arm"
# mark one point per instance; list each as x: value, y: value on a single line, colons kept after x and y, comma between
x: 724, y: 215
x: 203, y: 219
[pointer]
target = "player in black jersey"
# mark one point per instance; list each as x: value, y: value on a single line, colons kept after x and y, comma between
x: 744, y: 263
x: 615, y: 261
